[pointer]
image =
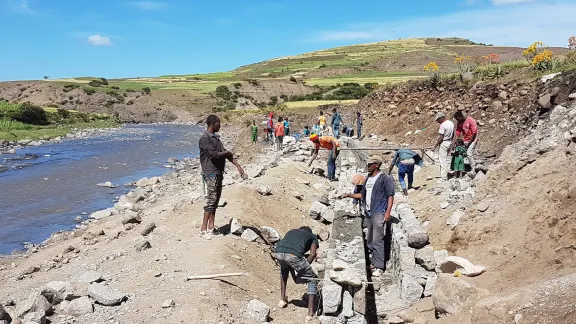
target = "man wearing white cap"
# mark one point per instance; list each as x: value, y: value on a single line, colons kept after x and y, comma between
x: 444, y: 142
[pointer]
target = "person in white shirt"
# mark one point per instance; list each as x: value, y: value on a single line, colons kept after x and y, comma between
x: 444, y: 142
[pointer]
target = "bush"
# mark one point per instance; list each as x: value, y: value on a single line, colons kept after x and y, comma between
x: 63, y: 113
x: 31, y: 114
x: 348, y: 91
x: 70, y: 87
x: 371, y: 85
x: 254, y: 82
x: 237, y: 85
x: 130, y: 102
x: 89, y: 91
x: 322, y: 66
x: 146, y: 90
x: 52, y: 105
x: 273, y: 100
x: 95, y: 83
x: 114, y: 87
x: 103, y: 81
x: 293, y: 79
x: 223, y: 92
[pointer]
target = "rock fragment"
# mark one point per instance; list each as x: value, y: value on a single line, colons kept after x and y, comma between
x: 258, y: 311
x: 104, y: 295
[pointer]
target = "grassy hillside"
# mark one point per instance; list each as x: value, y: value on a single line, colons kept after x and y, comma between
x: 342, y: 73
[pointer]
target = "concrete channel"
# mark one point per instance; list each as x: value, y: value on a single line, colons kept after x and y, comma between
x: 349, y: 294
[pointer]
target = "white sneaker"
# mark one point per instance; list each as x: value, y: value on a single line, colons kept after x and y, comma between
x: 377, y: 272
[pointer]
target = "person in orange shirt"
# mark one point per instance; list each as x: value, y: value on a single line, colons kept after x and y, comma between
x: 330, y: 143
x: 279, y: 132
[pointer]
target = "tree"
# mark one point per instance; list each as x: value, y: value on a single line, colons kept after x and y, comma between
x: 104, y: 81
x: 46, y: 77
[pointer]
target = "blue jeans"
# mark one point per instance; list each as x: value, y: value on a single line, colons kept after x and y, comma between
x: 291, y: 264
x: 331, y: 167
x: 359, y: 130
x: 403, y: 170
x: 336, y: 130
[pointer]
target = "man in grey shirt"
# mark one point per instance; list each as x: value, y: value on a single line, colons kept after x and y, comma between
x: 213, y: 158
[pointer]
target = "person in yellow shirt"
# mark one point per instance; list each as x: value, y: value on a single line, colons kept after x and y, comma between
x: 330, y: 143
x: 322, y: 121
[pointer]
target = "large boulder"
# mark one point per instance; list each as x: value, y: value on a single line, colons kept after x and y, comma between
x: 331, y: 298
x: 78, y: 307
x: 35, y: 303
x: 236, y: 226
x: 249, y: 235
x: 425, y: 258
x: 418, y: 240
x: 90, y: 277
x: 34, y: 318
x: 104, y: 295
x: 317, y: 209
x: 258, y: 311
x: 75, y: 290
x: 271, y: 235
x: 452, y: 293
x: 411, y: 290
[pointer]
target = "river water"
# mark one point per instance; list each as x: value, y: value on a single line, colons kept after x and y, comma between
x: 43, y: 195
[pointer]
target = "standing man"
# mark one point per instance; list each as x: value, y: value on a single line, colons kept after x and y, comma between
x: 330, y: 143
x: 270, y: 125
x: 254, y: 132
x: 279, y: 133
x: 290, y: 256
x: 286, y: 127
x: 444, y: 143
x: 213, y: 158
x: 468, y: 129
x: 377, y: 199
x: 405, y: 160
x: 336, y: 120
x: 322, y: 122
x: 359, y: 124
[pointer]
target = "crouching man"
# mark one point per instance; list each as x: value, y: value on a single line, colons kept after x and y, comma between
x: 290, y: 256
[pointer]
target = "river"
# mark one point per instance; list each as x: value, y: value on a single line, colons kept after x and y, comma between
x: 45, y: 194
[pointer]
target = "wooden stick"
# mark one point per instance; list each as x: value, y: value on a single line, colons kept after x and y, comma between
x: 221, y: 275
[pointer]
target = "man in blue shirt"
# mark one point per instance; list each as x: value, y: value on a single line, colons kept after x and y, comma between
x: 377, y: 198
x: 336, y: 120
x: 405, y: 159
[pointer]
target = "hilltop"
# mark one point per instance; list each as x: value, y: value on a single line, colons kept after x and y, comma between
x: 318, y: 75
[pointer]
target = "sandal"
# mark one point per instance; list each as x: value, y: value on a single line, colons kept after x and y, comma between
x: 205, y: 235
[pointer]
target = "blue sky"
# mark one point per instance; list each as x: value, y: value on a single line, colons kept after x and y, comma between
x: 117, y: 38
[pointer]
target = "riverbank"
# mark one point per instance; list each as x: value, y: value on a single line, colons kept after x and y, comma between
x: 148, y: 243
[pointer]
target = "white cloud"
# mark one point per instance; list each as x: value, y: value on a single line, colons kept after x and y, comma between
x: 519, y: 27
x: 503, y: 2
x: 148, y: 5
x: 98, y: 40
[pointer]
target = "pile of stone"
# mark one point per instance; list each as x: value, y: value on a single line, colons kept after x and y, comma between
x: 74, y: 298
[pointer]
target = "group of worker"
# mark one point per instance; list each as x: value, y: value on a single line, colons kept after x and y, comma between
x: 374, y: 192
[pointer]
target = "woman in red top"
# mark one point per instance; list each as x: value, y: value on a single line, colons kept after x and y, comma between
x: 279, y: 132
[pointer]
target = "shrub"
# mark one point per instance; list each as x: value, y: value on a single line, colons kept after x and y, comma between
x: 435, y: 77
x: 223, y: 92
x: 237, y: 85
x: 70, y: 98
x: 322, y: 66
x: 70, y: 87
x: 293, y: 79
x: 348, y: 91
x: 146, y: 90
x: 95, y: 83
x: 103, y: 81
x: 254, y: 82
x: 23, y: 89
x: 63, y: 113
x: 63, y: 102
x: 273, y: 100
x: 89, y: 91
x: 114, y: 87
x: 31, y: 114
x: 371, y: 85
x: 52, y: 105
x: 539, y: 56
x: 130, y: 102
